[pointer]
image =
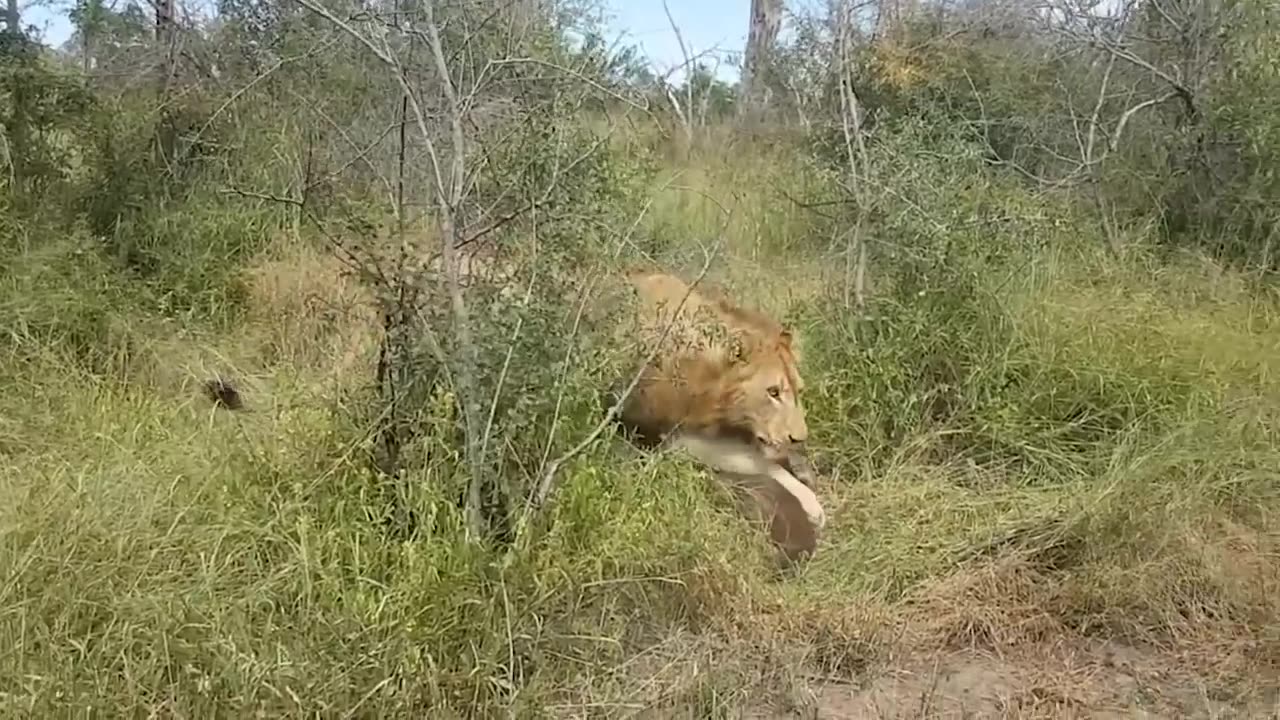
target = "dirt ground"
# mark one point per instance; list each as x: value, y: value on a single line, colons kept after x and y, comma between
x: 1077, y: 680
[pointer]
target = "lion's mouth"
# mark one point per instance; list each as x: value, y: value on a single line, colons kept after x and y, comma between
x: 798, y: 464
x: 779, y: 452
x: 773, y: 450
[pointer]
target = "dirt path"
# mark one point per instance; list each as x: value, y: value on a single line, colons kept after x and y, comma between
x: 1100, y: 680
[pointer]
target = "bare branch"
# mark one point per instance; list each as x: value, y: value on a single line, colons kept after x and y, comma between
x: 361, y: 154
x: 320, y: 47
x: 502, y: 378
x: 687, y: 115
x: 858, y: 166
x: 472, y: 236
x: 449, y: 196
x: 547, y: 482
x: 1124, y: 119
x: 577, y: 76
x: 262, y: 196
x: 1116, y: 49
x: 1097, y: 110
x: 449, y: 204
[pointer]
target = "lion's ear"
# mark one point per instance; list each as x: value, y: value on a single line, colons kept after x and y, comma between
x: 788, y: 342
x: 737, y: 350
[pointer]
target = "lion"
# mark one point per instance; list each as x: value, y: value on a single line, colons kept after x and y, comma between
x: 721, y: 370
x: 722, y: 382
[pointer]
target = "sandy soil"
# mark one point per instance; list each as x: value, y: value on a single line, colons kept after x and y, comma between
x: 1083, y: 680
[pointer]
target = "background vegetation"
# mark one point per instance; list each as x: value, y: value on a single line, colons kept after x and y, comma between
x: 1030, y: 252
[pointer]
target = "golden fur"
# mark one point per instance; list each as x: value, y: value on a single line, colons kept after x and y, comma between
x: 724, y: 385
x: 723, y: 370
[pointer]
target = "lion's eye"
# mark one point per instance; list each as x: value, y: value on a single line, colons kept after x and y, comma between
x: 775, y: 392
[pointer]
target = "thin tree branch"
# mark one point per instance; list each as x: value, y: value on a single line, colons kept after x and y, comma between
x: 547, y: 482
x: 1097, y: 110
x: 687, y: 115
x: 1128, y: 114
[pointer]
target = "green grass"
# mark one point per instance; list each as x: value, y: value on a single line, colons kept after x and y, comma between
x: 1090, y: 447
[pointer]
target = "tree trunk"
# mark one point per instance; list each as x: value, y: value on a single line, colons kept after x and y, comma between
x: 17, y: 125
x: 766, y: 19
x: 167, y: 41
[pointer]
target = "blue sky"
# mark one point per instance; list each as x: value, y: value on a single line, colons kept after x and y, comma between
x: 51, y: 21
x: 705, y: 25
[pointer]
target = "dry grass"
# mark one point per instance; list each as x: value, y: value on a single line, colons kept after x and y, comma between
x: 307, y: 309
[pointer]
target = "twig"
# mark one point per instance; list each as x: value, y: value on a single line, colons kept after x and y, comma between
x: 262, y: 76
x: 361, y: 154
x: 506, y: 365
x: 644, y: 108
x: 687, y: 115
x: 547, y: 482
x: 564, y: 372
x: 449, y: 196
x: 1097, y: 110
x: 1124, y: 119
x: 471, y: 237
x: 859, y: 171
x: 261, y: 196
x: 1180, y: 89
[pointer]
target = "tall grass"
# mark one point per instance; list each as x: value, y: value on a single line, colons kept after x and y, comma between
x: 1088, y: 445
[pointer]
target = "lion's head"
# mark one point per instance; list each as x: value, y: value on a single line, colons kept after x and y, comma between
x: 756, y: 397
x: 725, y: 371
